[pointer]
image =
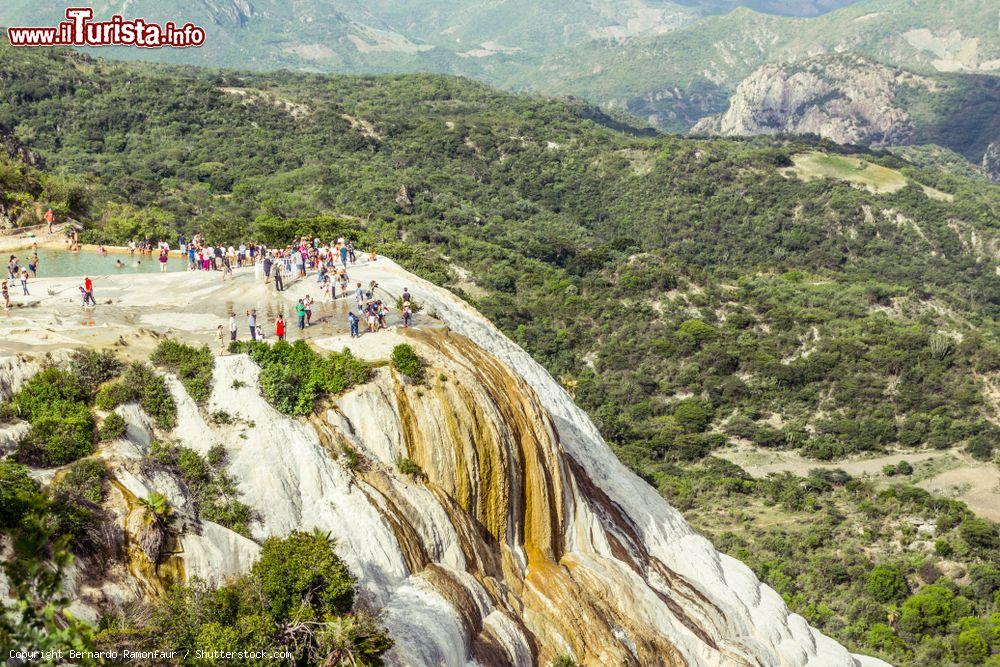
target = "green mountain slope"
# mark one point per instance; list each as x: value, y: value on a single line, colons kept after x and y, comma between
x: 688, y: 292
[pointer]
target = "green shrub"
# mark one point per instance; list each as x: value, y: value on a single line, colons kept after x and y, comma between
x: 942, y: 547
x: 212, y: 490
x: 94, y: 368
x: 985, y: 580
x: 303, y: 570
x: 695, y: 446
x: 74, y: 516
x: 18, y: 494
x: 111, y: 395
x: 297, y: 597
x: 217, y: 456
x: 85, y: 478
x: 294, y: 377
x: 563, y: 661
x: 406, y: 361
x: 408, y: 466
x: 152, y: 393
x: 229, y: 512
x: 883, y: 638
x: 47, y: 390
x: 192, y: 365
x: 193, y: 468
x: 112, y: 428
x: 904, y: 468
x: 351, y: 458
x: 62, y: 435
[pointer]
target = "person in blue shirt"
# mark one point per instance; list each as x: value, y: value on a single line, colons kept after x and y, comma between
x: 252, y: 323
x: 353, y: 320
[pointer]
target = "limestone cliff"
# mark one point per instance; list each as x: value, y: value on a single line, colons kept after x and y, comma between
x: 848, y: 99
x: 523, y: 539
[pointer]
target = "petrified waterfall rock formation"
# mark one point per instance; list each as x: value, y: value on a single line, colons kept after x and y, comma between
x: 524, y: 537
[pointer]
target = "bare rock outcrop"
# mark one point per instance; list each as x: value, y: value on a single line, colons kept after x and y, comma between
x: 845, y: 98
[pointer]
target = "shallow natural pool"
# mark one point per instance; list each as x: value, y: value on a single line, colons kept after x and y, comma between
x: 58, y: 263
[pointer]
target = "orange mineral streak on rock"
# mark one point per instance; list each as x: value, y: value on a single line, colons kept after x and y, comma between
x: 491, y: 456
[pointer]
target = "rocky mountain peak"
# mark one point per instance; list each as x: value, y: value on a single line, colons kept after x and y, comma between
x: 849, y: 99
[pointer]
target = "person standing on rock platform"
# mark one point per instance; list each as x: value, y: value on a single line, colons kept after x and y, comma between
x: 352, y: 320
x: 50, y: 217
x: 252, y: 323
x: 300, y: 313
x: 232, y: 326
x: 88, y: 289
x: 279, y: 284
x: 5, y: 293
x: 279, y: 327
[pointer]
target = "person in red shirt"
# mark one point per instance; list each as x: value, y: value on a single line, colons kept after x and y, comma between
x: 88, y: 289
x: 279, y: 328
x: 50, y: 217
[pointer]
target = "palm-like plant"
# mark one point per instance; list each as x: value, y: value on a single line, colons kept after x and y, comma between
x: 152, y: 535
x: 157, y: 507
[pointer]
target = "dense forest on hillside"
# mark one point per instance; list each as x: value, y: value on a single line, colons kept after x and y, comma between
x: 686, y: 292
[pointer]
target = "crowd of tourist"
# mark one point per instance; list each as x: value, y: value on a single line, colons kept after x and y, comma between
x: 330, y: 263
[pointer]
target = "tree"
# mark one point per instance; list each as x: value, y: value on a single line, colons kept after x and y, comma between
x: 696, y: 332
x: 151, y: 529
x: 887, y: 583
x: 691, y: 415
x: 34, y: 614
x: 928, y: 611
x: 979, y: 533
x: 971, y: 646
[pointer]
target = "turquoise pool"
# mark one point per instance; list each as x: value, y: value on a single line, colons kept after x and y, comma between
x: 61, y: 263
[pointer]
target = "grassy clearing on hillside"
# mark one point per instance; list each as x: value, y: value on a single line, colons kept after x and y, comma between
x: 875, y: 178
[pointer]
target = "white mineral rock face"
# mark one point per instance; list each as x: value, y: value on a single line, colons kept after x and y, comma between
x: 523, y: 539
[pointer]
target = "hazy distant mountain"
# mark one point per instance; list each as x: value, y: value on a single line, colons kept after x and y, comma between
x: 442, y: 35
x: 674, y: 79
x: 671, y: 63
